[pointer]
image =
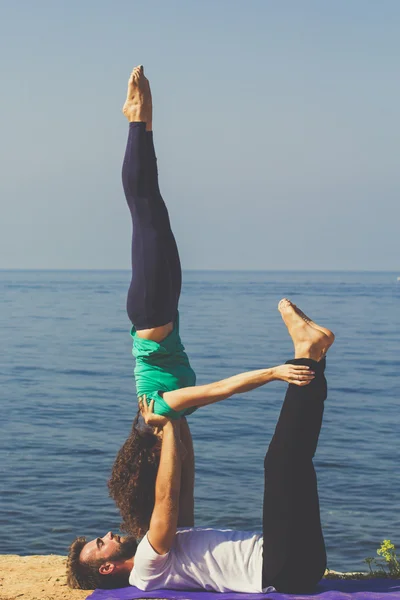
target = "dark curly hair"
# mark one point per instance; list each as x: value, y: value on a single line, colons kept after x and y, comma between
x: 133, y: 478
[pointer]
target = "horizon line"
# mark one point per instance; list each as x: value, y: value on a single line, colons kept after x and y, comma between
x: 66, y: 269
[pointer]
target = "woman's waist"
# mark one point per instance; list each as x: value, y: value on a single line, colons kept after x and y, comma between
x: 150, y: 380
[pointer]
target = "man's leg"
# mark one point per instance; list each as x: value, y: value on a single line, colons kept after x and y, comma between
x: 294, y: 551
x: 156, y: 273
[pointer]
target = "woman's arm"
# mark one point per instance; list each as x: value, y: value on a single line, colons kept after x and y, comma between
x: 244, y: 382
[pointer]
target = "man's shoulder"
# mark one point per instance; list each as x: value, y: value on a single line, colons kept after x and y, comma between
x: 147, y: 562
x: 145, y: 548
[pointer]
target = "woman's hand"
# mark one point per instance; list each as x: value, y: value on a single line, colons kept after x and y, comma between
x: 148, y: 415
x: 296, y: 374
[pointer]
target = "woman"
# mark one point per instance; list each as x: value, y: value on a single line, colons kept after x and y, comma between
x: 163, y: 373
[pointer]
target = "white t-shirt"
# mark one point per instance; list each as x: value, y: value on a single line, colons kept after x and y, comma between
x: 219, y: 560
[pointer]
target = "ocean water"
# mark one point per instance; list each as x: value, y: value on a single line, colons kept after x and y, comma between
x: 68, y: 400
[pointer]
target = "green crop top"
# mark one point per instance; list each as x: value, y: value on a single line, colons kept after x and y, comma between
x: 162, y: 367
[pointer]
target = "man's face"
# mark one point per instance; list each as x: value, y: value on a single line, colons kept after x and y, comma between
x: 111, y: 547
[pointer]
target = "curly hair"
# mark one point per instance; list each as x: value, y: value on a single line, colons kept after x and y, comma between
x: 86, y: 575
x: 133, y: 478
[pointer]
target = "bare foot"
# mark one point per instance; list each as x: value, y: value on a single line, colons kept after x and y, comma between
x: 149, y: 122
x: 310, y: 341
x: 138, y: 99
x: 324, y: 330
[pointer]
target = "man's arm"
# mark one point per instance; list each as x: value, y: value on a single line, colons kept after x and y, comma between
x: 164, y: 520
x: 244, y: 382
x: 186, y: 497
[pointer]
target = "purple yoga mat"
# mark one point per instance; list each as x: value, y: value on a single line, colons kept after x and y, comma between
x: 328, y: 589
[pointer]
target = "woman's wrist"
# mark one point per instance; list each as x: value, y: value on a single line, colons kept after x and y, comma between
x: 274, y: 374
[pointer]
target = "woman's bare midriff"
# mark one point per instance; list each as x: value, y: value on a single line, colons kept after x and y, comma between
x: 156, y: 334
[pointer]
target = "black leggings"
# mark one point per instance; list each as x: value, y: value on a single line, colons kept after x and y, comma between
x: 294, y: 550
x: 156, y: 270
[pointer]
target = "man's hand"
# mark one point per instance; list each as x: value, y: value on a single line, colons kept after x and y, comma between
x: 157, y: 421
x: 296, y: 374
x: 147, y: 412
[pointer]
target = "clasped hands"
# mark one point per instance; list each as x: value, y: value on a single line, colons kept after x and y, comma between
x: 157, y: 422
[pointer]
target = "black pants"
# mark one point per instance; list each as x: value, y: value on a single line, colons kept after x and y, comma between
x: 294, y: 550
x: 156, y: 271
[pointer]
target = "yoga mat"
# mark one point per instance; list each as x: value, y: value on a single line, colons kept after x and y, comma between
x: 328, y: 589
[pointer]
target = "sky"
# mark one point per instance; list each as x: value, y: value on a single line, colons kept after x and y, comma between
x: 276, y: 128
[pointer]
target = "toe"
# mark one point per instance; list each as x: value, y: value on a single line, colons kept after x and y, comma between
x: 283, y: 303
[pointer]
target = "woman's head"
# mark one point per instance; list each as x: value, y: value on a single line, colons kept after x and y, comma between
x: 133, y: 477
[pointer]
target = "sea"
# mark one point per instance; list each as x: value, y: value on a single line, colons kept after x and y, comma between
x: 68, y: 401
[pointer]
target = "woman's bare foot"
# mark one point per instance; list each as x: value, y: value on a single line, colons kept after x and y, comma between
x: 137, y: 106
x: 310, y: 341
x: 149, y: 122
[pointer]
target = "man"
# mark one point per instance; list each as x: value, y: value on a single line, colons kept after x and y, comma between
x: 289, y: 556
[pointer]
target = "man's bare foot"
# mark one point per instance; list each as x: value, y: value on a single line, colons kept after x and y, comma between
x: 324, y: 330
x: 310, y: 340
x: 138, y: 99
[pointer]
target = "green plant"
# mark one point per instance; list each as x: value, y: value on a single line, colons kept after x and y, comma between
x: 389, y: 563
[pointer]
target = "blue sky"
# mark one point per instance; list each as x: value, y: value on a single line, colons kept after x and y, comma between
x: 276, y: 128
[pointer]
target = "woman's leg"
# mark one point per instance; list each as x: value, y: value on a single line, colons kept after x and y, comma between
x: 294, y: 551
x: 156, y: 273
x: 175, y: 265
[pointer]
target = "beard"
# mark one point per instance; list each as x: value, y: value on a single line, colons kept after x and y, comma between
x: 127, y: 549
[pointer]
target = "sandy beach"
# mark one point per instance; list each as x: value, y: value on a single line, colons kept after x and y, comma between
x: 36, y: 578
